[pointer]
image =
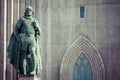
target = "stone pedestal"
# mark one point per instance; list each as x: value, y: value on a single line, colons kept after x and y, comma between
x: 27, y: 78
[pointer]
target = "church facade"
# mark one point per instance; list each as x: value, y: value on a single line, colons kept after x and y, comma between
x: 80, y: 38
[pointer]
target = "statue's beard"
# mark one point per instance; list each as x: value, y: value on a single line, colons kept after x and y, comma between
x: 28, y: 15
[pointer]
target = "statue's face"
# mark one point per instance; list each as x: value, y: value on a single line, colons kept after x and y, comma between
x: 29, y: 12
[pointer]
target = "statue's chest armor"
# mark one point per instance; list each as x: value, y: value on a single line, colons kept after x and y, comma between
x: 28, y: 26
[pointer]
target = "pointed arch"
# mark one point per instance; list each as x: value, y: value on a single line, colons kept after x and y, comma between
x: 82, y: 45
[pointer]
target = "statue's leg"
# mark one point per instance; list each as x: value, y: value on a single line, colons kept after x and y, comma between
x: 22, y: 63
x: 31, y: 59
x: 25, y: 66
x: 31, y: 49
x: 22, y: 59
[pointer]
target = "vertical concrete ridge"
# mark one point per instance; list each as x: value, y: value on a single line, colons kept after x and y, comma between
x: 49, y: 41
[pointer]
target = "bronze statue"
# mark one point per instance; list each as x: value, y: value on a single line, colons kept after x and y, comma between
x: 24, y: 47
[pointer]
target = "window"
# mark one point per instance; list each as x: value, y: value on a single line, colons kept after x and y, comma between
x: 82, y: 69
x: 82, y: 11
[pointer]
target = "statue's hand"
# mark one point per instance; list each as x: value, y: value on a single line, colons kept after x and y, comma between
x: 34, y: 23
x: 37, y: 31
x: 22, y: 37
x: 29, y: 56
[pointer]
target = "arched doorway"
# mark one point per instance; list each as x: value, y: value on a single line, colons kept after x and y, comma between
x: 82, y: 61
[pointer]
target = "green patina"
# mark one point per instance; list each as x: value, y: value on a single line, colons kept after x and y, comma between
x: 24, y: 49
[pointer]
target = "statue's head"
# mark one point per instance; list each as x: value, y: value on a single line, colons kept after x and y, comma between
x: 29, y: 11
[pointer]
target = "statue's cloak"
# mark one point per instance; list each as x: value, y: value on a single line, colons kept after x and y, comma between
x: 13, y: 50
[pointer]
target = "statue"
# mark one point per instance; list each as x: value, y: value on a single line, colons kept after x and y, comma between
x: 24, y: 46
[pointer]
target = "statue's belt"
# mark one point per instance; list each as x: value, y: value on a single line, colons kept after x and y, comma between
x: 30, y: 35
x: 27, y: 35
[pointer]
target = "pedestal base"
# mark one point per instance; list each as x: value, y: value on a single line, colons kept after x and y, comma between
x: 27, y: 78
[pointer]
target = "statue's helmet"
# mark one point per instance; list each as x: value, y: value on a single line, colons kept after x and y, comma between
x: 29, y: 8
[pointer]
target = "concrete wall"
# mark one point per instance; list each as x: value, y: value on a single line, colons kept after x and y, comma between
x: 61, y: 24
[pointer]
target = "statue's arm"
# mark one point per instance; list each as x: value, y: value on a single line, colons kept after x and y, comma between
x: 17, y: 28
x: 37, y: 28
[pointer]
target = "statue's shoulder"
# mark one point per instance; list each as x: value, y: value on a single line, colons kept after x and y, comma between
x: 22, y: 19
